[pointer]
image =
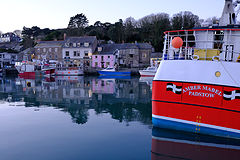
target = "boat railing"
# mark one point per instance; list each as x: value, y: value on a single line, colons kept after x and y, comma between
x: 209, y: 44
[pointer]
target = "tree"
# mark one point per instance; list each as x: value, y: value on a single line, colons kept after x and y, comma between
x: 185, y: 20
x: 131, y: 32
x: 78, y: 21
x: 152, y: 28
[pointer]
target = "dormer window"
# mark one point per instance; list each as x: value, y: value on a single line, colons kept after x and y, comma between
x: 67, y: 44
x: 86, y: 44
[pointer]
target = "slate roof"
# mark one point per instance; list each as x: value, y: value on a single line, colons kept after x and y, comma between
x: 156, y: 55
x: 84, y: 39
x: 49, y: 44
x: 111, y: 48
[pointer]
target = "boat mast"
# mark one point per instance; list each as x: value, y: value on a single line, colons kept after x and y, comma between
x: 228, y: 15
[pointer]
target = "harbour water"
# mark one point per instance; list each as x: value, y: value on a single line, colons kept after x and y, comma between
x: 90, y: 118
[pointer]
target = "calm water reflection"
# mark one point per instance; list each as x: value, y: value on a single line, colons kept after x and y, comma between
x: 93, y: 118
x: 75, y: 118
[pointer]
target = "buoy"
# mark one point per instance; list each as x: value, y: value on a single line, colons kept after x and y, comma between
x: 177, y: 42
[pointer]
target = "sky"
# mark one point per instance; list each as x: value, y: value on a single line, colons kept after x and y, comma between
x: 54, y: 14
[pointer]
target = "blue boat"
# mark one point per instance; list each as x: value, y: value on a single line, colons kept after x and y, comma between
x: 113, y: 72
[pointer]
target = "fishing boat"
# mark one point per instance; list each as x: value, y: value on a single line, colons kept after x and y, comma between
x: 197, y: 85
x: 112, y: 72
x: 27, y: 69
x: 148, y: 72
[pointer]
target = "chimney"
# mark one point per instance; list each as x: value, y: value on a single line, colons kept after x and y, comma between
x: 64, y: 36
x: 228, y: 15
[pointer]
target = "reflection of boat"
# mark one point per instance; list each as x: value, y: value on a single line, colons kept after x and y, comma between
x: 114, y: 77
x: 148, y: 72
x: 167, y: 144
x: 147, y: 80
x: 72, y: 71
x: 197, y: 85
x: 113, y: 72
x: 69, y: 78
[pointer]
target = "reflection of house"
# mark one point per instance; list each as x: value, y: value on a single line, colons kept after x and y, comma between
x: 132, y: 55
x: 78, y: 50
x: 104, y: 86
x: 49, y: 50
x: 156, y: 58
x: 7, y: 59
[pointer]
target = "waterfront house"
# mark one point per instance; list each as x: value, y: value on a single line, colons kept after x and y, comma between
x: 9, y: 37
x: 125, y: 55
x: 78, y: 50
x: 49, y: 50
x: 103, y: 60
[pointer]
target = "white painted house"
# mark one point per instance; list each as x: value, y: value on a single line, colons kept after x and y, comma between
x: 78, y: 49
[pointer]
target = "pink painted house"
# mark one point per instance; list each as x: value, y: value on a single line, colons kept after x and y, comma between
x: 103, y: 60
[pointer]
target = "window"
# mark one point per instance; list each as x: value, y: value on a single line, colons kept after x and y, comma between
x: 78, y: 54
x: 56, y: 56
x: 67, y: 53
x: 102, y: 58
x: 44, y: 49
x: 50, y: 56
x: 144, y: 55
x: 96, y: 57
x: 96, y: 64
x: 38, y: 49
x: 50, y: 49
x: 131, y: 55
x: 86, y: 44
x: 0, y: 56
x: 108, y: 56
x: 86, y: 53
x: 74, y: 45
x: 107, y: 64
x: 75, y: 53
x: 56, y: 49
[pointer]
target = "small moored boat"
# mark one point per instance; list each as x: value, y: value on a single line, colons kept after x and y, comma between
x: 113, y: 72
x: 148, y: 72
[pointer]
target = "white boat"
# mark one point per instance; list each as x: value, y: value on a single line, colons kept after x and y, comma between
x: 148, y: 72
x: 69, y: 71
x: 112, y: 72
x: 197, y: 85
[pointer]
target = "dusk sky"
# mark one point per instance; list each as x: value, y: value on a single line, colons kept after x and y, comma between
x: 55, y: 14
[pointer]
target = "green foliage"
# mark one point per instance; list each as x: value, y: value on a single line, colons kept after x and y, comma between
x: 78, y: 21
x: 148, y: 29
x: 185, y: 20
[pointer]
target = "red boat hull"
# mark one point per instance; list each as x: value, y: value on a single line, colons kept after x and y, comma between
x: 202, y: 108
